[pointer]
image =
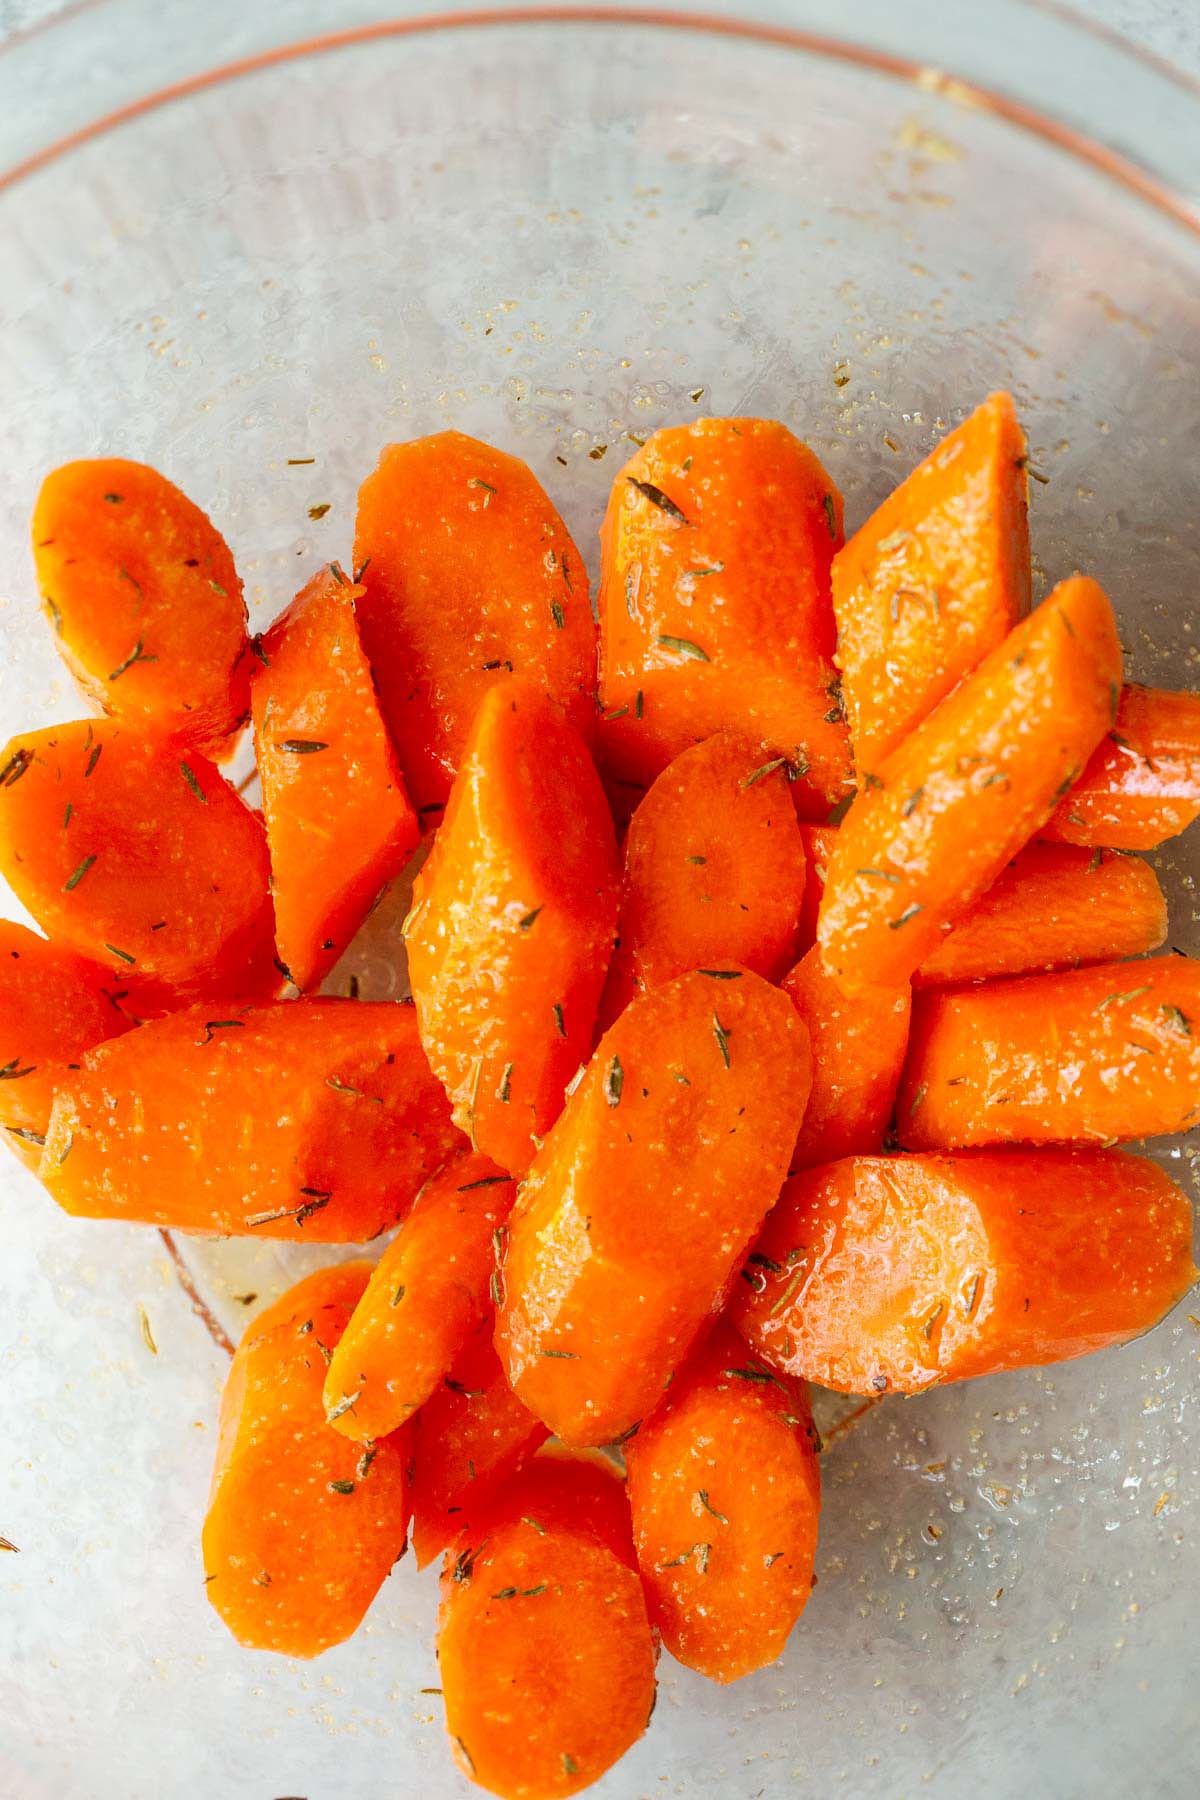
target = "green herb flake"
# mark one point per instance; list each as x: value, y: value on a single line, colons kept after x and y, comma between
x: 302, y: 746
x: 910, y: 912
x: 1097, y: 857
x: 318, y: 512
x: 190, y: 777
x: 560, y: 1024
x: 917, y: 1099
x: 534, y: 1524
x: 764, y: 769
x: 878, y: 874
x: 561, y: 1355
x: 93, y: 759
x: 708, y: 1506
x: 136, y: 655
x: 683, y: 647
x: 504, y: 1091
x: 485, y: 1181
x: 722, y: 1037
x: 344, y: 1405
x: 656, y: 497
x: 570, y: 1766
x: 16, y: 766
x: 528, y: 921
x: 1128, y: 994
x: 721, y: 974
x: 73, y: 880
x: 614, y: 1082
x: 398, y: 1296
x: 1177, y: 1019
x: 12, y: 1071
x: 638, y: 705
x: 341, y: 1487
x: 698, y: 861
x: 557, y: 614
x: 914, y: 800
x: 477, y: 481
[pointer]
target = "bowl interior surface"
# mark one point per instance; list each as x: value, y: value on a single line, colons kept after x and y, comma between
x: 558, y: 237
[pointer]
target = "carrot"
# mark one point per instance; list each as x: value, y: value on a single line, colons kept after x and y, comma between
x: 144, y: 599
x: 933, y: 581
x: 1054, y: 905
x: 471, y: 1433
x: 1142, y: 784
x: 339, y: 822
x: 314, y: 1120
x: 134, y: 853
x: 544, y: 1648
x: 858, y: 1048
x: 302, y: 1526
x: 714, y: 870
x: 900, y: 1272
x: 1085, y: 1056
x: 512, y: 923
x: 53, y: 1007
x: 468, y: 573
x: 639, y: 1208
x: 715, y: 612
x: 724, y: 1489
x: 818, y: 848
x: 953, y: 804
x: 428, y: 1293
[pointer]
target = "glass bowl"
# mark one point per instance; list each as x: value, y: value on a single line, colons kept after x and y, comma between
x: 559, y: 232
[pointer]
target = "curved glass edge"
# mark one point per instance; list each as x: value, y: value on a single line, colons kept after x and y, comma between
x: 103, y: 56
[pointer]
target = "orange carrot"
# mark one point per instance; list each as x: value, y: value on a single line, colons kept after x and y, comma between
x: 144, y: 599
x: 715, y: 612
x: 1085, y: 1056
x: 339, y: 823
x: 545, y: 1652
x: 818, y: 848
x: 639, y: 1208
x: 714, y: 870
x: 134, y: 853
x: 1142, y: 784
x: 469, y: 574
x: 900, y: 1272
x: 471, y: 1433
x: 428, y: 1293
x: 858, y: 1048
x: 933, y: 581
x: 302, y: 1526
x: 314, y: 1120
x: 512, y: 923
x: 53, y: 1007
x: 1054, y: 905
x: 954, y: 803
x: 724, y: 1489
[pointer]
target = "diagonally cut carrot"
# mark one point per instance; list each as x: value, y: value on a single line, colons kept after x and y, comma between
x: 953, y: 804
x: 302, y: 1525
x: 858, y: 1045
x: 1142, y: 784
x: 144, y: 599
x: 429, y: 1292
x: 1085, y: 1056
x: 469, y: 574
x: 900, y: 1272
x: 818, y: 849
x: 715, y: 612
x: 339, y: 822
x: 934, y: 580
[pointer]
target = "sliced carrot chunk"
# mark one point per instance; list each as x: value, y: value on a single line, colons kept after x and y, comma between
x: 900, y: 1272
x: 144, y: 599
x: 725, y: 1491
x: 544, y: 1648
x: 640, y: 1206
x: 302, y: 1525
x: 429, y: 1292
x: 53, y: 1006
x: 858, y: 1045
x: 935, y: 579
x: 818, y: 849
x: 954, y: 803
x: 339, y: 822
x: 471, y: 1433
x: 512, y: 923
x: 469, y: 574
x: 715, y: 611
x: 1142, y: 784
x: 315, y: 1120
x: 1085, y: 1056
x: 134, y: 853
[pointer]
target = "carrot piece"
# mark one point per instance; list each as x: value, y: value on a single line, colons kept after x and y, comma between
x: 714, y: 603
x: 134, y: 854
x: 53, y: 1007
x: 858, y: 1049
x: 934, y: 580
x: 339, y: 822
x: 512, y: 923
x: 315, y: 1120
x: 302, y: 1526
x: 544, y: 1648
x: 955, y: 802
x: 144, y: 599
x: 1142, y: 784
x: 468, y: 573
x: 428, y: 1293
x: 725, y: 1491
x: 818, y: 848
x: 1054, y: 905
x: 1084, y: 1056
x: 471, y: 1434
x: 638, y: 1209
x: 899, y: 1272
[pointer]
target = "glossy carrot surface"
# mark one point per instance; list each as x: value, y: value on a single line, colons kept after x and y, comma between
x: 1142, y: 784
x: 858, y: 1043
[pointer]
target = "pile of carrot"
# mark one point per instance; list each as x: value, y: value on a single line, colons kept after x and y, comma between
x: 780, y: 989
